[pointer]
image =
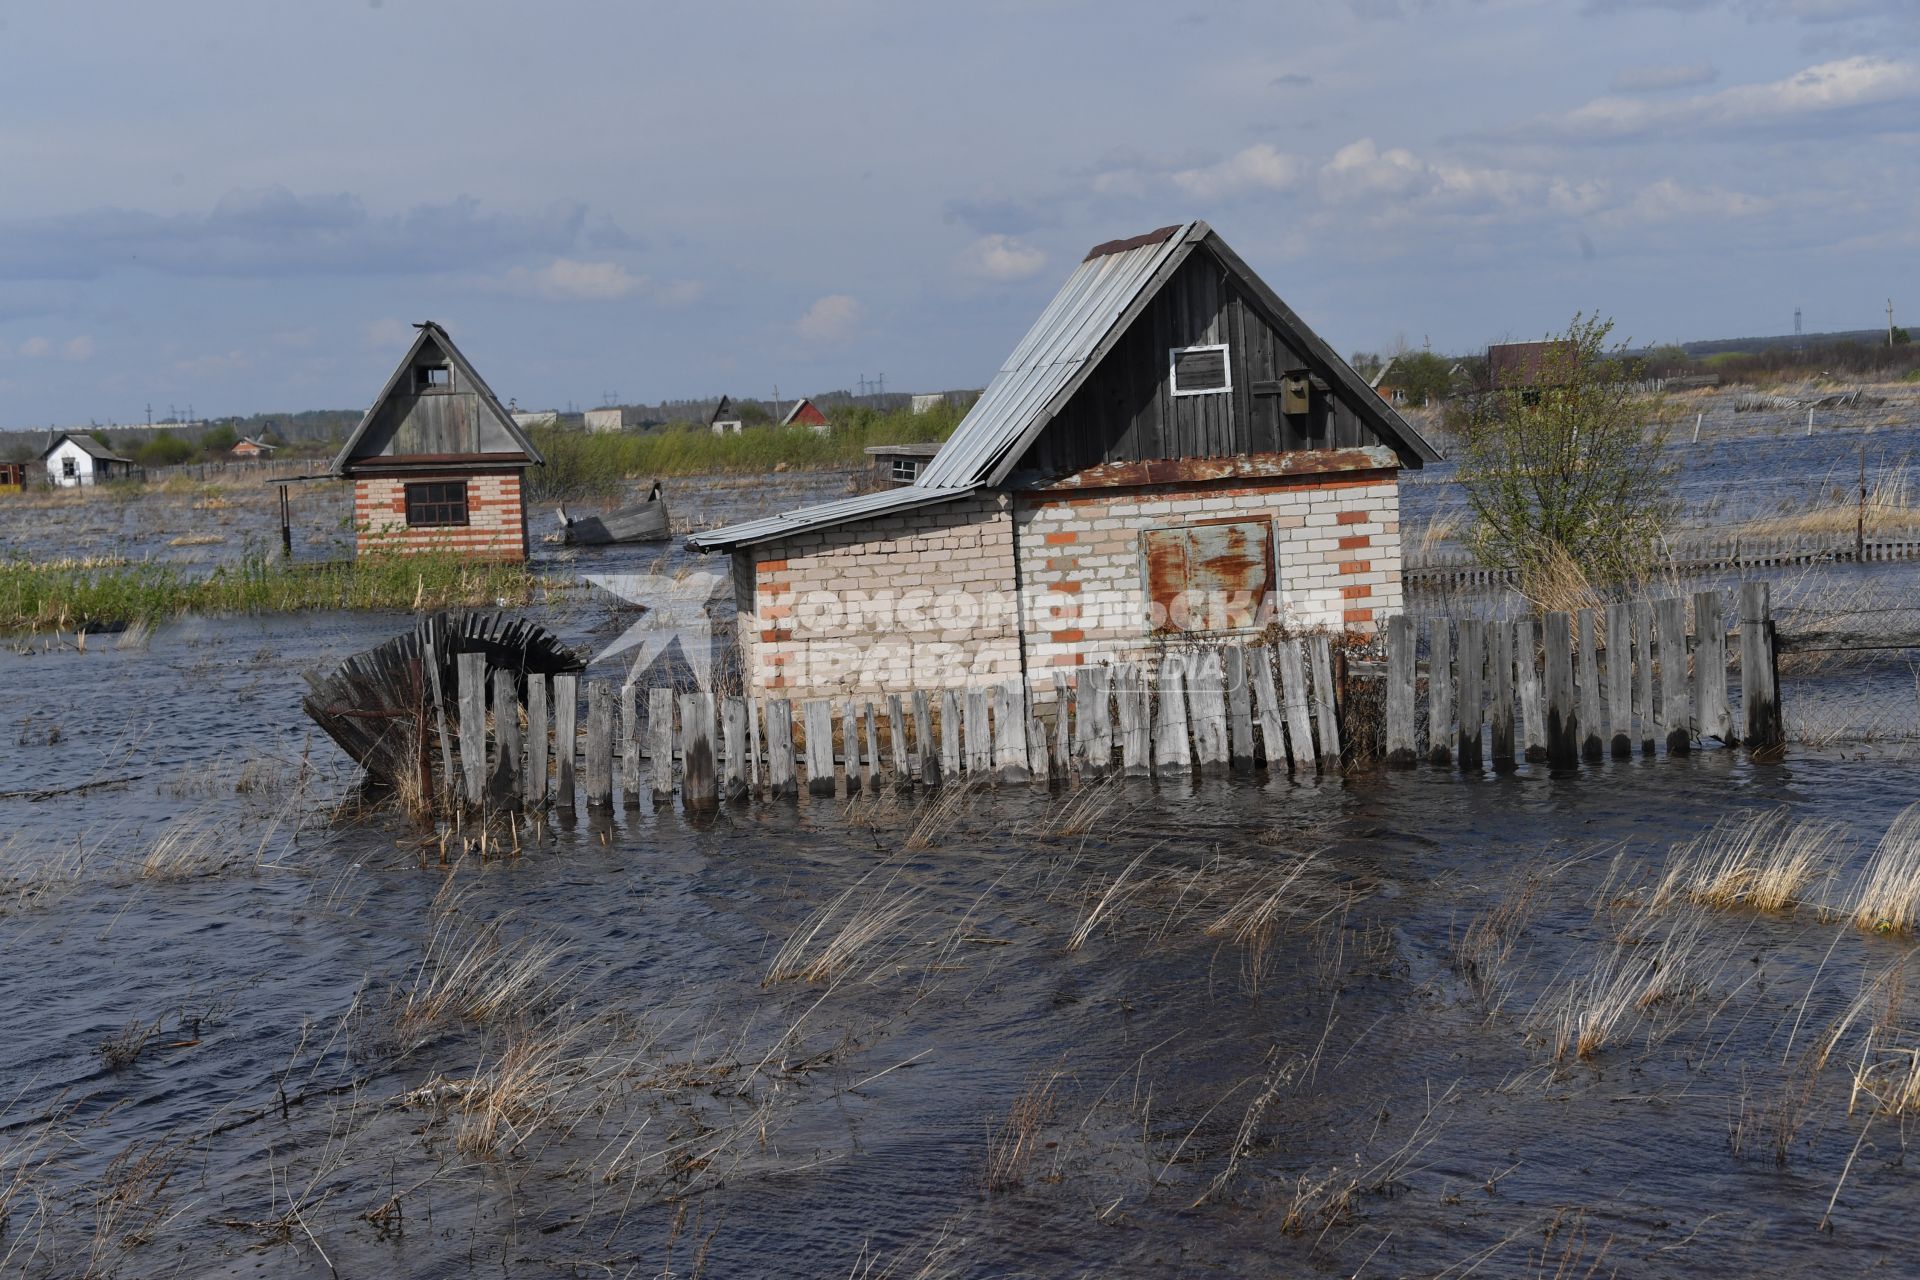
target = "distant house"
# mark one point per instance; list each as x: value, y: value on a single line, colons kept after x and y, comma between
x: 805, y: 413
x: 77, y: 459
x: 1521, y: 365
x: 437, y: 463
x: 1170, y: 455
x: 609, y: 419
x: 13, y: 477
x: 528, y: 419
x: 248, y: 447
x: 899, y: 463
x: 1383, y: 383
x: 725, y: 419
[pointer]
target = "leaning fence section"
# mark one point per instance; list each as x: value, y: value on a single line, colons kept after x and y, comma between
x: 1573, y: 689
x: 522, y: 741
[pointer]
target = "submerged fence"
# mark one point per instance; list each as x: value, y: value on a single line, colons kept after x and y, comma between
x: 1457, y: 566
x: 1230, y: 708
x: 1579, y: 687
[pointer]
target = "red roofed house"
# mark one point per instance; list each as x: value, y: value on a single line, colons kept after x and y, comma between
x: 805, y: 413
x: 437, y: 463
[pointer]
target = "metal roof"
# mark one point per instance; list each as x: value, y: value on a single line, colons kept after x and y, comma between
x: 802, y: 519
x: 86, y: 444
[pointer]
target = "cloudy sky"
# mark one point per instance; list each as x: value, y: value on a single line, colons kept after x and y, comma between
x: 242, y: 205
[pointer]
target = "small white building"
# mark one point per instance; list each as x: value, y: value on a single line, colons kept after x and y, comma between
x: 76, y: 459
x: 528, y: 419
x: 603, y: 420
x: 726, y: 419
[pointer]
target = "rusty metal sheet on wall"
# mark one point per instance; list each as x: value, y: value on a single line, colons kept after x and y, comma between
x: 1208, y: 577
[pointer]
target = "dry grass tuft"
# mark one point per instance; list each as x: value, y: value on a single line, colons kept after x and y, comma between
x: 1012, y: 1144
x: 1763, y: 859
x: 1481, y: 954
x: 835, y: 937
x: 1888, y: 897
x: 1653, y: 964
x: 1557, y: 584
x: 478, y: 975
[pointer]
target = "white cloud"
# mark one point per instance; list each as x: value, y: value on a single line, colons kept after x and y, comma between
x: 1004, y: 258
x: 79, y: 348
x: 1362, y: 172
x: 1830, y: 86
x: 1667, y: 200
x: 831, y: 319
x: 1658, y: 79
x: 36, y: 348
x: 389, y: 332
x: 1259, y: 167
x: 569, y: 280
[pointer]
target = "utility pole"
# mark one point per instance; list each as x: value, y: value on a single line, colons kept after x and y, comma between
x: 776, y: 404
x: 1889, y: 321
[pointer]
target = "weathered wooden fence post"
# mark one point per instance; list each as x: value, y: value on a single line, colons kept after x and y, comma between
x: 599, y: 744
x: 1293, y: 694
x: 897, y: 740
x: 1273, y: 733
x: 1090, y: 705
x: 1060, y: 763
x: 950, y: 757
x: 1010, y: 731
x: 850, y: 747
x: 733, y: 776
x: 629, y: 744
x: 660, y: 741
x: 1620, y: 680
x: 1440, y: 733
x: 566, y: 718
x: 448, y: 786
x: 1036, y: 737
x: 780, y: 776
x: 1676, y: 716
x: 923, y: 738
x: 1326, y: 721
x: 1402, y: 746
x: 505, y: 784
x: 1533, y: 714
x: 1473, y: 665
x: 753, y: 746
x: 1710, y: 669
x: 1643, y: 674
x: 1563, y: 727
x: 699, y: 782
x: 538, y: 725
x: 1500, y: 665
x: 1759, y: 679
x: 1130, y: 692
x: 1209, y: 702
x: 1590, y: 715
x: 872, y: 768
x: 472, y: 670
x: 979, y: 732
x: 1239, y: 711
x: 1171, y: 754
x: 818, y: 715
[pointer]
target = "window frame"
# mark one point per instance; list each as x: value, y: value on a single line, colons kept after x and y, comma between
x: 905, y: 470
x: 423, y: 383
x: 424, y: 502
x: 1226, y: 370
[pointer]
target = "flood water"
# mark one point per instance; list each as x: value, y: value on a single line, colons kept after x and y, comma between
x: 1259, y: 1026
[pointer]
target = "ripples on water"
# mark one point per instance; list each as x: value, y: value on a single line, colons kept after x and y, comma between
x: 1264, y: 1058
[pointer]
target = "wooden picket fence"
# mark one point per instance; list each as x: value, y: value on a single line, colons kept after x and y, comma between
x: 1579, y: 687
x: 1230, y: 708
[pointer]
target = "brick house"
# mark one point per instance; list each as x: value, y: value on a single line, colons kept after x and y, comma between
x: 1169, y: 456
x: 437, y: 463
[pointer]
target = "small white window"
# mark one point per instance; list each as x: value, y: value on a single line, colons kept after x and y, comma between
x: 906, y: 470
x: 1200, y: 371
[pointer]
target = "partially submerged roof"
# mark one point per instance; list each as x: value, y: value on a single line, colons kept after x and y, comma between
x: 86, y: 444
x: 1110, y: 288
x: 418, y: 421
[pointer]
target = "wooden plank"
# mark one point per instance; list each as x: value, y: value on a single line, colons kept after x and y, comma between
x: 753, y: 746
x: 1620, y: 680
x: 1010, y: 732
x: 870, y: 768
x: 1759, y: 680
x: 1326, y: 720
x: 432, y: 662
x: 1401, y: 730
x: 1239, y: 710
x: 472, y: 677
x: 1293, y: 696
x: 1036, y: 741
x: 1172, y: 756
x: 733, y: 763
x: 1714, y: 715
x: 1472, y: 663
x: 1440, y: 724
x: 850, y: 748
x: 1563, y: 717
x: 1676, y: 712
x: 1060, y: 764
x: 1533, y: 710
x: 1136, y: 755
x: 1273, y: 733
x: 1091, y: 705
x: 699, y: 783
x: 1500, y: 706
x: 539, y: 724
x: 566, y: 716
x: 1643, y: 673
x: 950, y: 760
x: 599, y: 744
x: 630, y: 744
x: 1591, y: 715
x: 660, y: 740
x: 780, y: 762
x: 979, y: 733
x: 897, y: 740
x: 504, y: 784
x: 1208, y: 710
x: 923, y: 741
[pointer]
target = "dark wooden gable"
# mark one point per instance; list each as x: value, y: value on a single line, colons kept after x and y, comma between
x: 436, y: 406
x: 1126, y: 410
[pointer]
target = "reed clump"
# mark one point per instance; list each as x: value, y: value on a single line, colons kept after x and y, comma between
x: 867, y: 915
x: 1654, y: 963
x: 1013, y: 1143
x: 478, y: 974
x: 1887, y: 899
x: 1763, y: 860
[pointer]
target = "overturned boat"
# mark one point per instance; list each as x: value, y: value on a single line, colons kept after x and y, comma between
x: 643, y: 522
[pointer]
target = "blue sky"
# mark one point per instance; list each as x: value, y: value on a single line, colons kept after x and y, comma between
x: 241, y: 205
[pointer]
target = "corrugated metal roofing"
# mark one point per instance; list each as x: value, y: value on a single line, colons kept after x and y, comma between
x: 904, y: 498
